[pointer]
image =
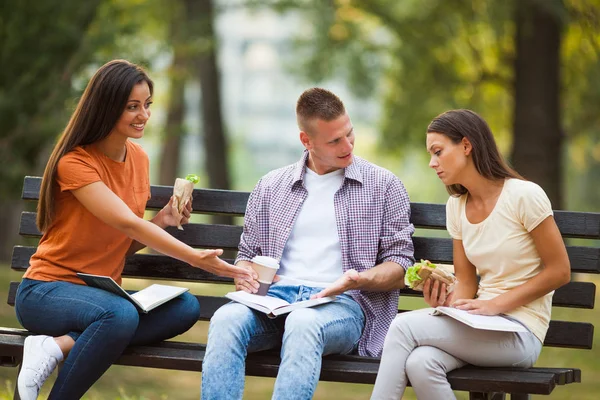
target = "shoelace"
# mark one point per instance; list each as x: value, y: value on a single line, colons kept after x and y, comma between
x: 42, y: 373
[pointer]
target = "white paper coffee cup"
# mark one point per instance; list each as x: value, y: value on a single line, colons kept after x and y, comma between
x: 266, y: 268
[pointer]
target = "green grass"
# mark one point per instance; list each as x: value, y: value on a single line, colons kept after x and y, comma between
x: 133, y: 383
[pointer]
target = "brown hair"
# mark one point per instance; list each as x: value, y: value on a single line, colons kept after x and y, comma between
x: 457, y: 124
x: 317, y: 103
x: 97, y: 112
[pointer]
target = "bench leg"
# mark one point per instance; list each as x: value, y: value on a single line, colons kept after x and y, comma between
x: 16, y: 396
x: 486, y: 396
x: 520, y: 396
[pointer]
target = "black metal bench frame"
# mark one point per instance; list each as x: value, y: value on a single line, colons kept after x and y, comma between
x: 481, y: 383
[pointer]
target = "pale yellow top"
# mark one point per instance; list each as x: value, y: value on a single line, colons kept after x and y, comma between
x: 501, y: 248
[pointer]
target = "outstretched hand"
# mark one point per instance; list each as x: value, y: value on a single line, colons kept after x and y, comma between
x: 209, y: 261
x: 348, y: 281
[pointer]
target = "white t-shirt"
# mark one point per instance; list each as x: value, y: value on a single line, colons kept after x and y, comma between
x: 312, y: 256
x: 501, y: 248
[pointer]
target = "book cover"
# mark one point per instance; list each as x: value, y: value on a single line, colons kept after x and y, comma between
x: 273, y: 306
x: 144, y: 300
x: 486, y: 322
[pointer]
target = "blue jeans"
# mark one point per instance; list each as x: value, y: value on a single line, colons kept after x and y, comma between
x: 101, y: 323
x: 305, y: 335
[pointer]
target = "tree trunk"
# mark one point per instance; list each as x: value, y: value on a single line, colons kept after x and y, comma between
x: 538, y: 136
x: 169, y: 157
x: 215, y: 141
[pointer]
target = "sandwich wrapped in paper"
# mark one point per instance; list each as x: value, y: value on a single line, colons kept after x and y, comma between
x: 182, y: 193
x: 417, y: 275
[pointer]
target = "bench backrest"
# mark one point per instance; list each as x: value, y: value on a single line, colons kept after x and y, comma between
x: 576, y: 294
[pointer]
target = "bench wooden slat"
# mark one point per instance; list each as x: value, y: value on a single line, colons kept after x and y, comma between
x: 149, y: 266
x: 424, y: 215
x: 189, y: 357
x: 577, y: 335
x: 140, y: 266
x: 583, y: 259
x: 196, y: 235
x: 563, y: 376
x: 205, y: 201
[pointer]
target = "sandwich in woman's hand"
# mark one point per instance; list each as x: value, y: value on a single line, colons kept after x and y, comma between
x: 417, y: 275
x: 182, y: 193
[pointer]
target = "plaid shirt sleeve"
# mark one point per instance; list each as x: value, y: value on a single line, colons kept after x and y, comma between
x: 250, y: 240
x: 395, y: 243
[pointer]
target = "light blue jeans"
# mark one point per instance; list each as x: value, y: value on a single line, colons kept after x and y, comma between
x: 305, y: 335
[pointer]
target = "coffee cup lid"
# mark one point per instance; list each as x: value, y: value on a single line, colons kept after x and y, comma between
x: 266, y: 261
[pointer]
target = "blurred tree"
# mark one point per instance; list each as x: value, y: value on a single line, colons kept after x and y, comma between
x: 193, y: 45
x: 504, y: 59
x: 537, y: 149
x: 179, y: 73
x: 39, y: 57
x: 45, y: 50
x: 205, y: 61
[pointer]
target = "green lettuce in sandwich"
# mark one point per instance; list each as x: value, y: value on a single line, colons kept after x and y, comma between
x: 182, y: 193
x: 417, y: 275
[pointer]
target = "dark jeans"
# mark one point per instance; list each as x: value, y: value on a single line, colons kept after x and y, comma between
x: 101, y: 323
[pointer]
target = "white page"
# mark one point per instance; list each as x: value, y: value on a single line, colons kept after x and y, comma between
x: 155, y: 293
x: 267, y: 301
x: 488, y: 322
x: 304, y: 304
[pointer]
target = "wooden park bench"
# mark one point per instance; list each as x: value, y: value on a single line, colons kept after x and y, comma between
x: 482, y: 383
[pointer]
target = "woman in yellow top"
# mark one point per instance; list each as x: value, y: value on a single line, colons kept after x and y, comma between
x: 503, y: 229
x: 91, y: 209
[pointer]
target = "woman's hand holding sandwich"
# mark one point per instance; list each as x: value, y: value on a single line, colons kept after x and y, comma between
x: 165, y: 217
x: 436, y: 293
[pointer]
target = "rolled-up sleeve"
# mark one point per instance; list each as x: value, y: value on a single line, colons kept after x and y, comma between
x: 250, y: 240
x: 395, y: 243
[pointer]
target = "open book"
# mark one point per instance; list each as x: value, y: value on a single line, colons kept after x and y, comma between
x: 486, y: 322
x: 273, y: 306
x: 145, y: 300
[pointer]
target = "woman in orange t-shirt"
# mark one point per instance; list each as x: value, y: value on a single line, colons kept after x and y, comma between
x: 91, y: 208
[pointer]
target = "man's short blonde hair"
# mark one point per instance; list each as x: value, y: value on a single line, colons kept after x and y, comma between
x: 317, y: 103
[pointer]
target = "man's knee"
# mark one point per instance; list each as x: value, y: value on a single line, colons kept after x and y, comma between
x: 302, y: 323
x: 230, y: 319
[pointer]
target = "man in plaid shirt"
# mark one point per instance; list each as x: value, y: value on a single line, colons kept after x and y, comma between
x: 339, y: 226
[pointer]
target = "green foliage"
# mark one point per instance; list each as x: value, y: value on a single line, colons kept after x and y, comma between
x: 46, y: 49
x: 39, y: 56
x: 422, y: 57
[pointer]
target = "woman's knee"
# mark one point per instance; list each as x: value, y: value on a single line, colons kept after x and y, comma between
x: 422, y: 366
x: 189, y: 310
x: 122, y: 319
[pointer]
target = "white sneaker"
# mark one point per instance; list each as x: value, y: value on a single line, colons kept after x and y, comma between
x: 37, y: 366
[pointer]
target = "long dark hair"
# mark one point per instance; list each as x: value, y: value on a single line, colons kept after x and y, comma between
x: 457, y: 124
x: 97, y: 112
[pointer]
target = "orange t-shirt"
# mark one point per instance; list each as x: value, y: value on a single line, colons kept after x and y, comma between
x: 77, y: 241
